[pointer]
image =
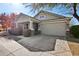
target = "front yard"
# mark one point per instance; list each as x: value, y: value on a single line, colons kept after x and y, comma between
x: 19, y: 47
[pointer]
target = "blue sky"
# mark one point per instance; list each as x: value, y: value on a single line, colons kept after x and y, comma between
x: 15, y: 8
x: 10, y: 8
x: 19, y: 8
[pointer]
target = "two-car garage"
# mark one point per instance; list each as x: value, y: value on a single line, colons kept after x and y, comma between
x: 53, y: 27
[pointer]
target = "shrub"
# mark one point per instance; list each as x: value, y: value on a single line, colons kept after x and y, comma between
x: 15, y: 31
x: 74, y: 30
x: 27, y: 33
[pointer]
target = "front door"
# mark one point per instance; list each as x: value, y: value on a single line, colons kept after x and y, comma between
x: 36, y: 27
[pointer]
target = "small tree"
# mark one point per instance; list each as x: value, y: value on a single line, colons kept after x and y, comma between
x: 7, y: 20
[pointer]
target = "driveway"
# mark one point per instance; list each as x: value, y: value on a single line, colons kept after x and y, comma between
x: 15, y: 47
x: 38, y: 42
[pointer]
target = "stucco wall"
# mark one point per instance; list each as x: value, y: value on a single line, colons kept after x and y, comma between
x: 53, y: 28
x: 44, y: 16
x: 24, y: 18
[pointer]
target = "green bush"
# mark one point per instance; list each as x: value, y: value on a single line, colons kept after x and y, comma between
x: 74, y: 30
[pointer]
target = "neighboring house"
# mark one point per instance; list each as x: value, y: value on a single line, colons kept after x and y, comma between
x: 52, y: 24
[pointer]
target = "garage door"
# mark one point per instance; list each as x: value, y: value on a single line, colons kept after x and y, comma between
x: 53, y: 28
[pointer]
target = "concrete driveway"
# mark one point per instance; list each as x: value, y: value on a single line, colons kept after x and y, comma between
x: 9, y: 47
x: 38, y: 42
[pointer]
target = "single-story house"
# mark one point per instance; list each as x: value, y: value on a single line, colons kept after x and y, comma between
x: 52, y: 24
x: 48, y: 23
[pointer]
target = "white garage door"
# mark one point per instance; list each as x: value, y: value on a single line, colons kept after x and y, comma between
x: 53, y: 28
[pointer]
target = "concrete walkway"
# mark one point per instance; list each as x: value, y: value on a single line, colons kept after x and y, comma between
x: 12, y: 48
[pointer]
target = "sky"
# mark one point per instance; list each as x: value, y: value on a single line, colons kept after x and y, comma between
x: 10, y: 8
x: 15, y: 8
x: 19, y: 8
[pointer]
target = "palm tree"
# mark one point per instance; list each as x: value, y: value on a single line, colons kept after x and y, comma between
x: 40, y: 6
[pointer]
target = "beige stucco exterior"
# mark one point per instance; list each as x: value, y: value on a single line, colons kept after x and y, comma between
x: 52, y: 24
x: 53, y: 28
x: 49, y: 23
x: 44, y: 15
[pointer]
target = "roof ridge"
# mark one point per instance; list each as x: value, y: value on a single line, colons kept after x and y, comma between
x: 49, y: 13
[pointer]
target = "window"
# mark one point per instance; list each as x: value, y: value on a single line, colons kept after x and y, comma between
x: 43, y: 16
